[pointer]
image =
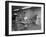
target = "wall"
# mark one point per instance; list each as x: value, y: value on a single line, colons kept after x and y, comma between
x: 32, y: 12
x: 28, y: 13
x: 38, y: 12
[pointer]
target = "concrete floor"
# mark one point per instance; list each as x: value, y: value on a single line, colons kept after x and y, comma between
x: 19, y: 27
x: 31, y: 27
x: 34, y: 27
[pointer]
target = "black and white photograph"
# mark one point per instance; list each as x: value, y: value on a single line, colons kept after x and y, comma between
x: 25, y: 18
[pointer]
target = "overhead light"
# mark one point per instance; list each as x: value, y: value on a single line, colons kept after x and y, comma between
x: 22, y: 8
x: 16, y: 9
x: 26, y: 7
x: 15, y: 13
